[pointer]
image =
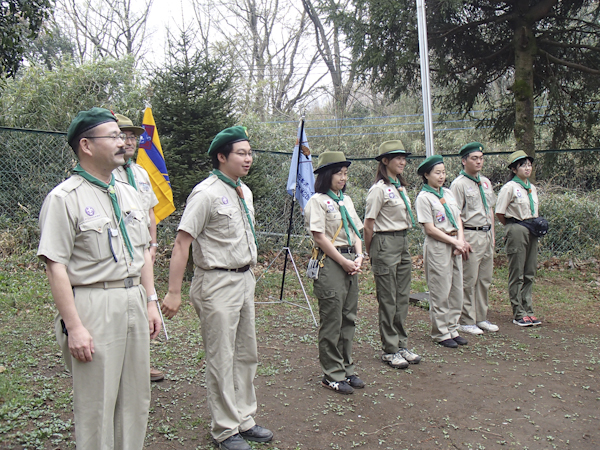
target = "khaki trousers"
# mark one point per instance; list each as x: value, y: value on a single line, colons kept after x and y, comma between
x: 337, y: 293
x: 521, y: 250
x: 477, y: 277
x: 443, y: 272
x: 111, y: 394
x: 391, y: 266
x: 224, y: 302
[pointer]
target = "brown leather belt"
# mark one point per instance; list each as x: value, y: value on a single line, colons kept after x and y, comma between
x: 452, y: 233
x: 126, y: 283
x: 239, y: 270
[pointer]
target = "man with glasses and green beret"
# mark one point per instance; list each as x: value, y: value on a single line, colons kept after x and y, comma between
x: 94, y: 240
x: 475, y: 197
x: 218, y: 221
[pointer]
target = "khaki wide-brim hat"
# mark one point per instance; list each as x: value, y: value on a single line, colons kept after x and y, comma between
x: 518, y: 155
x: 329, y: 160
x: 125, y: 124
x: 390, y: 149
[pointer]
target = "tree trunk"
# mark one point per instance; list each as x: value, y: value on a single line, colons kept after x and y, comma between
x: 525, y: 49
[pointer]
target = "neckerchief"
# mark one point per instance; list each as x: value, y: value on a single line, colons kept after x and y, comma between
x: 527, y: 187
x: 130, y: 176
x: 345, y: 216
x: 428, y: 188
x: 238, y: 189
x: 403, y: 195
x: 110, y: 188
x: 478, y: 181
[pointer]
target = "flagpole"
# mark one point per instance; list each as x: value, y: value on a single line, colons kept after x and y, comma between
x: 425, y: 85
x: 292, y: 209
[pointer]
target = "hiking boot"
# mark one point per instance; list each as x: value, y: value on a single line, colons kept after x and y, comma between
x: 450, y: 343
x: 411, y: 357
x: 472, y: 329
x: 257, y: 434
x: 524, y: 322
x: 460, y: 340
x: 535, y: 321
x: 156, y: 375
x: 486, y: 325
x: 396, y: 360
x: 341, y: 387
x: 355, y: 382
x: 234, y: 442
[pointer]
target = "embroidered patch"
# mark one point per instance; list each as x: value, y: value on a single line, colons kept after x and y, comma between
x: 144, y: 187
x: 390, y: 192
x: 330, y: 208
x: 519, y: 193
x: 225, y: 200
x: 90, y: 211
x: 440, y: 216
x: 485, y: 185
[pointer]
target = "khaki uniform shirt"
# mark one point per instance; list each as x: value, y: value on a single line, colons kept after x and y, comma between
x: 513, y: 201
x: 385, y: 205
x: 430, y: 210
x: 144, y: 187
x: 468, y: 197
x: 78, y: 228
x: 215, y: 217
x: 322, y: 214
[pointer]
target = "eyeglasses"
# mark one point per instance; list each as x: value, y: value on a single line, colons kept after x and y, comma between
x: 121, y: 136
x: 132, y: 139
x: 244, y: 154
x: 527, y: 165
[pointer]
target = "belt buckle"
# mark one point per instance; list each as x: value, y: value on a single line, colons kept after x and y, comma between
x: 486, y: 228
x: 128, y: 282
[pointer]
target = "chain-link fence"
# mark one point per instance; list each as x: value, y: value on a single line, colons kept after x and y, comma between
x: 33, y: 162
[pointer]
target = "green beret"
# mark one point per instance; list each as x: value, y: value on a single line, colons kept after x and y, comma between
x: 470, y: 148
x: 86, y: 120
x: 228, y: 136
x: 389, y: 149
x: 330, y: 160
x: 126, y: 124
x: 428, y: 164
x: 515, y: 156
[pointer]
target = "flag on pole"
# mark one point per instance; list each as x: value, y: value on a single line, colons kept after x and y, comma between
x: 304, y: 187
x: 150, y: 157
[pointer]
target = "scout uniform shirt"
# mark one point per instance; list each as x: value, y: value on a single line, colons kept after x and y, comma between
x: 214, y: 216
x: 79, y: 229
x: 144, y: 187
x: 385, y: 205
x: 322, y: 214
x: 513, y: 201
x: 430, y: 210
x: 468, y: 197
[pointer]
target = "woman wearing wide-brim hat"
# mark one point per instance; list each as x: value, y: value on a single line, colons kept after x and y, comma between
x: 443, y: 249
x: 332, y: 220
x: 518, y: 204
x: 388, y: 217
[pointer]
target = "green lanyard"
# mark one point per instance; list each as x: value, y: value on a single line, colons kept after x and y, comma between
x: 110, y: 188
x: 130, y: 176
x: 527, y: 187
x: 345, y: 216
x: 428, y: 188
x: 478, y: 181
x: 403, y: 195
x: 238, y: 189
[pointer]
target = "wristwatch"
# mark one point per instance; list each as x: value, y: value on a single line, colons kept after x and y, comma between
x: 153, y: 244
x: 360, y: 255
x: 152, y: 298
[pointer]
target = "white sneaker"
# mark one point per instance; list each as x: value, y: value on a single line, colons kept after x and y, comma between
x: 488, y: 326
x: 396, y: 360
x: 411, y: 357
x: 472, y: 329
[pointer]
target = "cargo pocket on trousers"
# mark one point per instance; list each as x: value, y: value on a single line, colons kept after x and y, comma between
x: 380, y: 270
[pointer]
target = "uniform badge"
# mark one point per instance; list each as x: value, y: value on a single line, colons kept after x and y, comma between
x: 90, y: 211
x: 330, y: 208
x: 144, y: 187
x: 519, y: 193
x: 225, y: 200
x: 391, y: 193
x: 486, y: 185
x: 440, y: 217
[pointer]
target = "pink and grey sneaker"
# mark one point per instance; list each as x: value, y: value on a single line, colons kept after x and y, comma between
x: 524, y: 322
x: 535, y: 321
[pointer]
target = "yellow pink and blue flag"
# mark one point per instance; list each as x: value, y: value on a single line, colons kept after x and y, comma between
x: 150, y: 157
x: 305, y: 183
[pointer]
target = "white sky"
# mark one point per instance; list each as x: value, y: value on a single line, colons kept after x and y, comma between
x: 163, y: 14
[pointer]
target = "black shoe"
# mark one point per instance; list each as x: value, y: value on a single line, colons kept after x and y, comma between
x: 234, y: 442
x: 355, y: 382
x: 257, y: 434
x: 450, y: 343
x: 460, y: 340
x: 341, y: 387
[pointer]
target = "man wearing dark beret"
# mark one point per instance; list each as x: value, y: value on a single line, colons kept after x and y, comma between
x: 94, y: 240
x: 218, y: 222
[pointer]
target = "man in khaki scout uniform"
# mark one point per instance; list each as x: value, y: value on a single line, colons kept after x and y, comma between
x: 475, y: 197
x: 218, y: 222
x: 94, y: 240
x: 136, y: 176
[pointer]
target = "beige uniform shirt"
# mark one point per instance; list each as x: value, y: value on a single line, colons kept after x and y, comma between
x: 430, y: 210
x: 79, y: 228
x: 468, y: 197
x: 513, y: 201
x: 322, y: 214
x: 144, y: 187
x: 385, y: 205
x: 215, y: 217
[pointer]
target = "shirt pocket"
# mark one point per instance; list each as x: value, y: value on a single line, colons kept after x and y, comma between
x: 95, y: 237
x: 228, y: 223
x: 473, y: 200
x: 137, y: 228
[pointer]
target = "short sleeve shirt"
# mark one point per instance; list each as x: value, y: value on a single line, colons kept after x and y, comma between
x: 322, y: 215
x: 468, y: 197
x: 430, y: 210
x: 144, y: 187
x: 386, y: 206
x: 79, y: 229
x: 215, y: 217
x: 513, y: 201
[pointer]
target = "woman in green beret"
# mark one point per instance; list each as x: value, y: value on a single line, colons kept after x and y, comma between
x: 517, y: 205
x: 331, y: 218
x: 444, y: 247
x: 387, y: 219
